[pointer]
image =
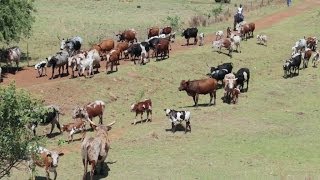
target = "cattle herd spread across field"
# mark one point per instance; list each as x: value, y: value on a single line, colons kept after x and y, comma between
x: 94, y: 150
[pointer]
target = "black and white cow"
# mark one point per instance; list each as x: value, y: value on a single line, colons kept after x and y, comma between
x: 176, y: 117
x: 291, y: 65
x: 72, y: 45
x: 242, y: 76
x: 190, y: 33
x: 138, y: 50
x: 220, y: 71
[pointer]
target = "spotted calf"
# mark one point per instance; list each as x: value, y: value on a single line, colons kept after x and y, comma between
x: 176, y: 117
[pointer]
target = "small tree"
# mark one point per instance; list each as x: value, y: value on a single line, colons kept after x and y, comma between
x: 174, y: 21
x: 17, y: 109
x: 15, y: 19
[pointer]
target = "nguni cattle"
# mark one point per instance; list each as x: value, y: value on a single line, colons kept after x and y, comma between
x: 219, y: 35
x: 127, y: 35
x: 235, y: 95
x: 306, y: 55
x: 262, y: 39
x: 223, y: 43
x: 89, y: 111
x: 136, y: 50
x: 245, y: 31
x: 201, y: 39
x: 190, y: 33
x: 140, y: 108
x: 41, y: 68
x: 122, y: 46
x: 72, y: 45
x: 76, y: 126
x: 58, y: 61
x: 243, y: 75
x: 51, y: 116
x: 229, y: 82
x: 104, y: 46
x: 154, y: 31
x: 94, y: 150
x: 113, y: 58
x: 91, y: 61
x: 316, y: 59
x: 312, y: 43
x: 44, y: 158
x: 176, y: 117
x: 292, y: 65
x: 74, y: 62
x: 162, y: 48
x: 252, y: 27
x: 13, y: 54
x: 220, y: 71
x: 236, y: 41
x: 299, y: 46
x: 202, y: 86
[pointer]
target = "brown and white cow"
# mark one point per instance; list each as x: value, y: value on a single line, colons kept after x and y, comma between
x: 89, y: 111
x: 154, y: 31
x: 77, y: 126
x: 230, y: 82
x: 316, y: 59
x: 127, y: 35
x: 44, y: 158
x: 104, y: 46
x: 113, y: 58
x: 122, y: 46
x: 141, y: 107
x: 226, y: 43
x: 306, y: 56
x: 94, y: 150
x: 235, y: 95
x: 312, y: 43
x: 202, y: 86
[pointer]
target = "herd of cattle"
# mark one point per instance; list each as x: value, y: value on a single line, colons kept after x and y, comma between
x: 94, y: 150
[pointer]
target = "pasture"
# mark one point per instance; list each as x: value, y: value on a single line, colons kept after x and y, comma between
x: 270, y: 134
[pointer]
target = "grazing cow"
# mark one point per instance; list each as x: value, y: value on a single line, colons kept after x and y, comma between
x: 57, y: 61
x: 127, y: 35
x: 312, y: 43
x: 299, y: 46
x: 201, y: 39
x: 219, y: 35
x: 252, y: 27
x: 229, y: 82
x: 242, y: 76
x: 235, y: 95
x: 191, y: 33
x: 196, y: 87
x: 41, y: 68
x: 292, y: 65
x: 71, y: 45
x: 104, y: 46
x: 306, y: 56
x: 162, y: 48
x: 154, y: 31
x: 13, y: 54
x: 245, y: 31
x: 51, y: 116
x: 89, y: 111
x: 226, y: 43
x: 316, y: 59
x: 262, y: 39
x: 92, y: 60
x: 122, y: 46
x: 44, y: 158
x: 141, y: 107
x: 74, y: 127
x: 94, y: 150
x: 166, y: 30
x: 236, y: 40
x: 176, y: 117
x: 74, y: 62
x: 138, y: 50
x: 113, y: 59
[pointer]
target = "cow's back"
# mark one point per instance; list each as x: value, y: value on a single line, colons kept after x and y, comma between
x: 204, y: 86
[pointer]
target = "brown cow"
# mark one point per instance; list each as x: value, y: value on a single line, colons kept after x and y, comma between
x: 113, y: 59
x: 122, y: 46
x: 312, y: 43
x: 252, y: 27
x: 104, y: 46
x: 89, y: 111
x: 162, y: 48
x: 127, y: 35
x: 306, y: 56
x: 94, y: 150
x: 202, y: 86
x: 244, y: 31
x: 166, y: 30
x: 234, y: 95
x: 45, y: 158
x: 141, y: 107
x: 154, y: 31
x: 74, y: 127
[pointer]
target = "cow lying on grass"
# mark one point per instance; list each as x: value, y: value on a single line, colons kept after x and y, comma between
x: 176, y: 117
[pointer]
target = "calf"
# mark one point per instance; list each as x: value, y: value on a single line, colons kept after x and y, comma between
x: 190, y: 33
x: 113, y: 59
x: 316, y: 59
x: 262, y: 39
x: 306, y: 56
x: 141, y: 107
x: 242, y: 76
x: 176, y: 117
x: 41, y: 68
x: 74, y: 62
x: 74, y: 127
x: 226, y: 43
x: 235, y: 95
x: 201, y: 39
x: 202, y: 86
x: 219, y: 35
x: 89, y: 111
x: 44, y: 158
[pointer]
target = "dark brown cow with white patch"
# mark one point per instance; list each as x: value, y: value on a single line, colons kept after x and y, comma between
x: 141, y: 107
x: 77, y: 126
x: 202, y: 86
x: 127, y: 35
x: 122, y: 46
x: 154, y: 31
x: 104, y: 46
x: 306, y: 56
x: 113, y: 58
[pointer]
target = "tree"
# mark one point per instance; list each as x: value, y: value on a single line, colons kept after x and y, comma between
x: 15, y: 19
x: 17, y: 109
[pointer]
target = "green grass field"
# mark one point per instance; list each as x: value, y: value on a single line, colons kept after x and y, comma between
x: 270, y: 134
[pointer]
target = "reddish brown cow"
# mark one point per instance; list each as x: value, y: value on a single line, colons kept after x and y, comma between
x: 127, y: 35
x: 202, y: 86
x: 252, y: 27
x: 234, y: 95
x: 113, y: 59
x: 74, y: 127
x: 166, y: 30
x: 312, y: 43
x: 122, y: 46
x: 307, y: 55
x: 154, y: 31
x: 244, y: 31
x: 89, y: 111
x: 105, y: 45
x: 141, y: 107
x: 162, y: 48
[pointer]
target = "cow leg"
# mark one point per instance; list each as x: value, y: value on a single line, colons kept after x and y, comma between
x: 55, y: 174
x: 67, y: 67
x: 197, y: 98
x: 52, y: 72
x: 93, y: 168
x: 59, y: 127
x: 247, y: 85
x: 141, y: 118
x: 52, y: 127
x: 188, y: 42
x: 173, y: 127
x: 214, y: 96
x: 135, y: 119
x: 195, y: 41
x: 100, y: 118
x: 187, y: 125
x: 211, y: 96
x: 194, y: 100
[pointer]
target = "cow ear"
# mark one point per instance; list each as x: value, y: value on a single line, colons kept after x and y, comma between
x: 61, y: 154
x: 49, y: 155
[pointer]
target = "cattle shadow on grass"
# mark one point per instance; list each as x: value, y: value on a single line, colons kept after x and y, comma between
x: 52, y: 135
x: 11, y: 69
x: 199, y: 105
x: 102, y: 174
x: 40, y: 178
x: 179, y: 127
x: 220, y: 52
x: 141, y: 121
x: 261, y: 44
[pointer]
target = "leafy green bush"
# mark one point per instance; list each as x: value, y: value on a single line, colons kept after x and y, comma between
x: 174, y: 21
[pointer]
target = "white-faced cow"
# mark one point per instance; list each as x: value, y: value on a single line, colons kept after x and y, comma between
x: 229, y: 82
x: 74, y: 62
x: 190, y: 33
x: 176, y: 117
x: 140, y: 108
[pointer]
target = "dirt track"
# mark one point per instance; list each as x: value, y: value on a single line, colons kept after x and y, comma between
x: 27, y: 76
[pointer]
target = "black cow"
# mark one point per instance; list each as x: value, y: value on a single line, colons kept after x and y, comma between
x: 243, y: 75
x: 191, y: 33
x: 220, y: 71
x: 176, y: 117
x: 292, y: 65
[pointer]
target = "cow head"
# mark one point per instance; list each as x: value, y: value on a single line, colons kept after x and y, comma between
x: 80, y: 113
x: 184, y: 85
x: 172, y: 37
x: 63, y: 44
x: 133, y: 107
x: 167, y: 111
x: 53, y: 158
x: 120, y: 37
x: 183, y: 32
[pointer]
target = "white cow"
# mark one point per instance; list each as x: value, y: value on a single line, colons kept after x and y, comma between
x: 299, y: 45
x: 236, y: 40
x: 219, y: 35
x: 93, y: 59
x: 262, y: 39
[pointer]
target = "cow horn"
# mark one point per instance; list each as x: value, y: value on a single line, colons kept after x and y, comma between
x: 112, y: 123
